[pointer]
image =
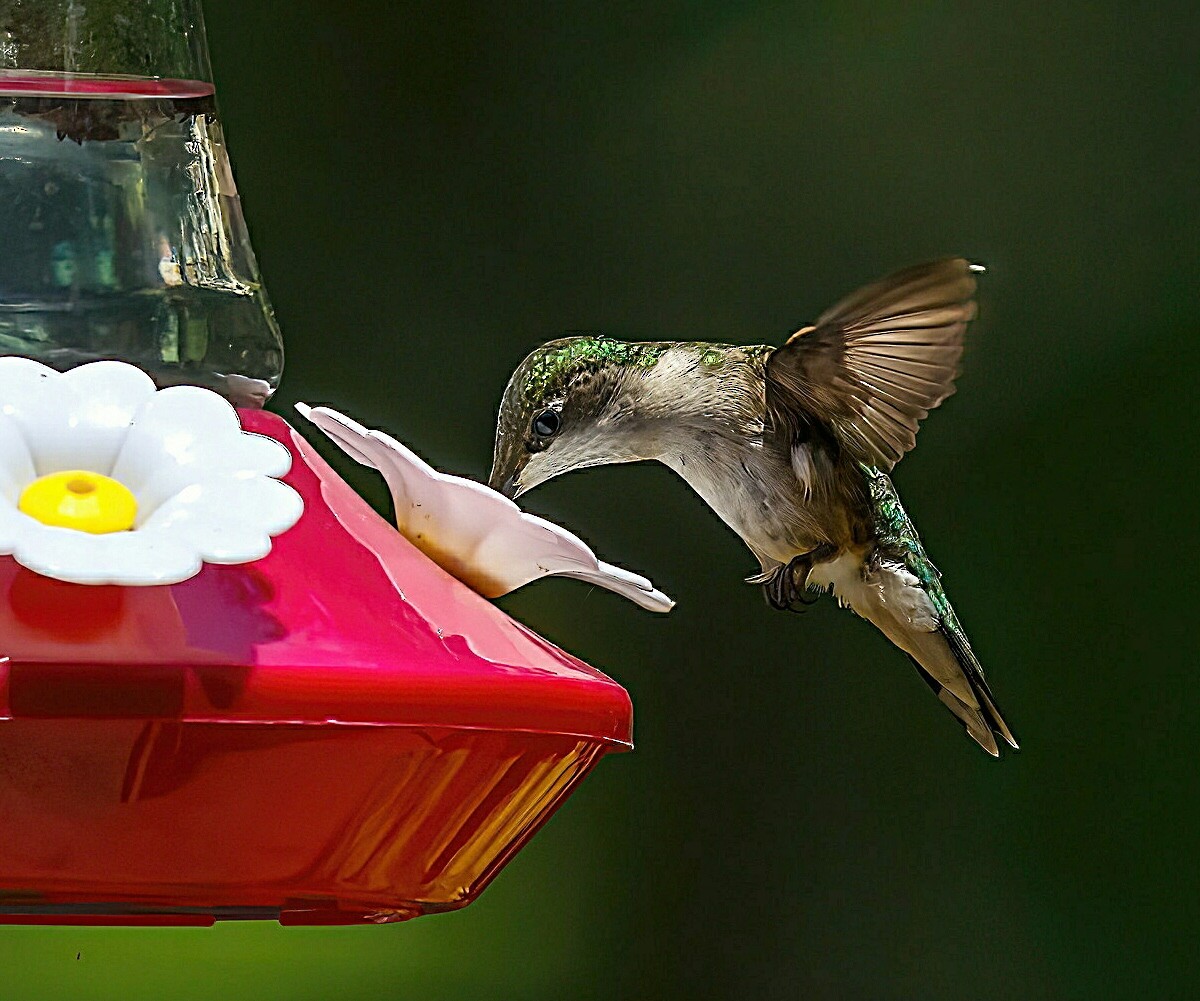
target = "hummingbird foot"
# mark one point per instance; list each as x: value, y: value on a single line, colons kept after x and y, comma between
x: 787, y: 589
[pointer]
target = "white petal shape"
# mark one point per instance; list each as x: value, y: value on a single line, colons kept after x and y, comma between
x: 185, y: 434
x: 198, y: 514
x: 205, y: 488
x: 72, y: 420
x: 16, y: 464
x: 31, y: 397
x: 130, y: 558
x: 12, y: 525
x: 470, y: 530
x: 108, y: 394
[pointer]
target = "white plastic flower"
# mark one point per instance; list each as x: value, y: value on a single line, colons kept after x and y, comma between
x: 105, y: 479
x: 470, y: 530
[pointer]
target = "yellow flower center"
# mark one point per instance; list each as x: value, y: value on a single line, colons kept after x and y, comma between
x: 82, y: 500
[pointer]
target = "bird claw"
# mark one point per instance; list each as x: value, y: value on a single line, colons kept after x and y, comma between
x: 787, y: 589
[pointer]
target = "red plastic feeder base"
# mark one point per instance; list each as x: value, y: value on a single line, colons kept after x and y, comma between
x: 337, y: 733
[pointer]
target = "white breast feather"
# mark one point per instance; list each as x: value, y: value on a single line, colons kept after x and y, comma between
x: 890, y: 590
x: 901, y: 592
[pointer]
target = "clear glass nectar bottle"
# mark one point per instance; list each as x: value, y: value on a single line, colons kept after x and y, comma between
x: 121, y: 230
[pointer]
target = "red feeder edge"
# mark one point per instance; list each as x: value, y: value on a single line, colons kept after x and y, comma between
x: 337, y: 733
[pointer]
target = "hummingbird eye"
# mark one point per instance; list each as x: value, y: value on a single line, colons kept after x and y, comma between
x: 547, y: 423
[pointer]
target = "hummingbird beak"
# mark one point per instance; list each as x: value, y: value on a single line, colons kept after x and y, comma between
x: 506, y: 471
x: 509, y: 486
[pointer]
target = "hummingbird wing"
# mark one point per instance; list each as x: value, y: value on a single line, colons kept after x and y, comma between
x: 874, y: 365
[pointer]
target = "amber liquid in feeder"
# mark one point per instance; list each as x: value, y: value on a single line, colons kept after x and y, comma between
x: 122, y: 235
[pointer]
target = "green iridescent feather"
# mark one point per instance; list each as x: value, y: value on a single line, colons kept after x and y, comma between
x: 897, y: 535
x: 556, y: 367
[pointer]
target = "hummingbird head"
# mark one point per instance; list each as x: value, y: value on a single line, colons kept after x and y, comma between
x: 566, y: 407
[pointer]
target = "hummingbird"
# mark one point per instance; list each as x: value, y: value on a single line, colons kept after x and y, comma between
x: 790, y: 446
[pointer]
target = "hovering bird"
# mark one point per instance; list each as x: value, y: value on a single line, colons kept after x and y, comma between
x: 790, y: 446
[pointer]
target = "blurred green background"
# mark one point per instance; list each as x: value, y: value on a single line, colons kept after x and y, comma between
x: 435, y: 187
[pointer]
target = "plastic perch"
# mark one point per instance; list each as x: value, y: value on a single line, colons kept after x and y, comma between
x: 471, y: 531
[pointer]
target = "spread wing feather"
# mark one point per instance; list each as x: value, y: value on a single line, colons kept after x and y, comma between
x: 874, y: 365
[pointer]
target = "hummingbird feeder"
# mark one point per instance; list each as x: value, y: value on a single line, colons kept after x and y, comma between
x: 228, y: 688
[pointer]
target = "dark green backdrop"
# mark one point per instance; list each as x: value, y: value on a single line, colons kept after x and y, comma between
x: 435, y: 187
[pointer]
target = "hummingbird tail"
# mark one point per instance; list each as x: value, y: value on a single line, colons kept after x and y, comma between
x: 961, y: 687
x: 912, y: 612
x: 900, y: 591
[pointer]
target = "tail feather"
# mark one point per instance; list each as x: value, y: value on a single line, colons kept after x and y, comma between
x: 976, y: 727
x: 897, y: 588
x: 973, y: 720
x: 973, y: 672
x: 979, y: 715
x: 945, y: 661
